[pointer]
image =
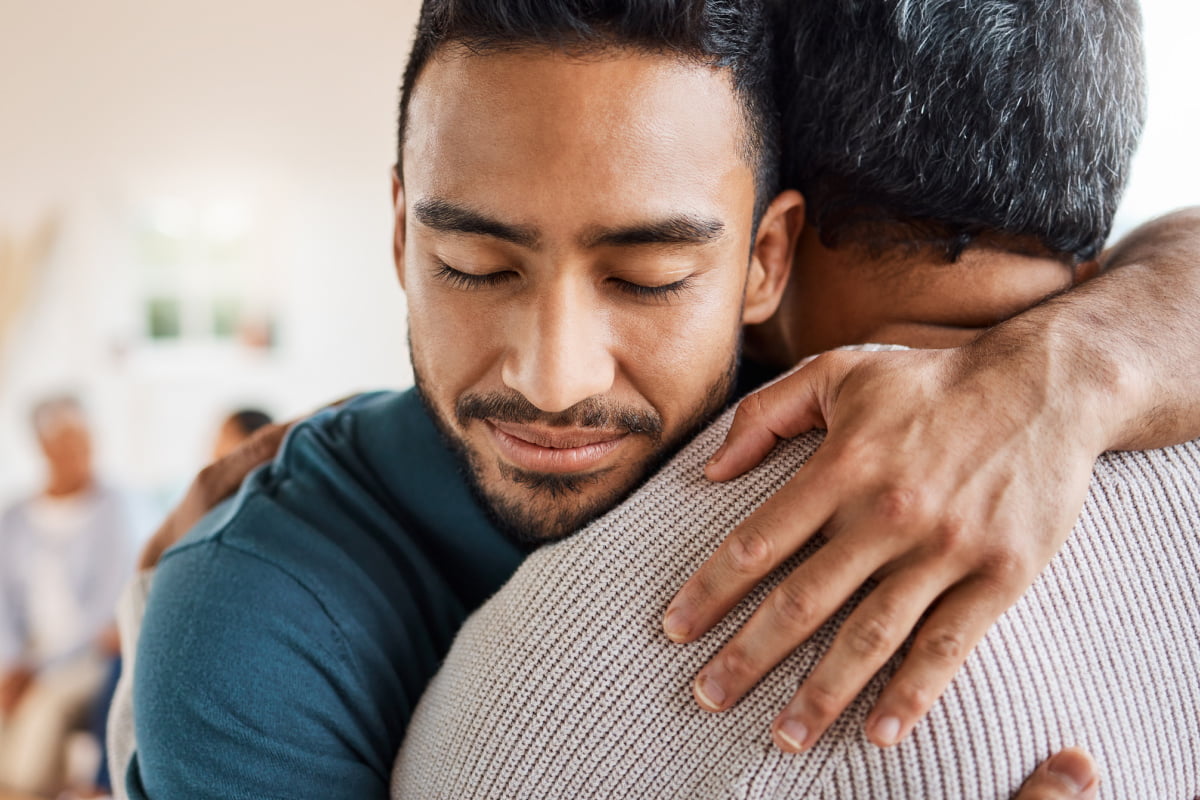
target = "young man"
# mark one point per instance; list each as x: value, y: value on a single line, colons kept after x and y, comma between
x: 585, y: 218
x: 563, y: 684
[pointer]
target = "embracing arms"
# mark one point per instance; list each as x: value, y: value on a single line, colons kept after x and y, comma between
x: 950, y: 478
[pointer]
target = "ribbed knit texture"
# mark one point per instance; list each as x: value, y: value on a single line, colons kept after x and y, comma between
x: 563, y: 685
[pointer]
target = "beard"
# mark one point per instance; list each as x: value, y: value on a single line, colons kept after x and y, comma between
x: 552, y: 506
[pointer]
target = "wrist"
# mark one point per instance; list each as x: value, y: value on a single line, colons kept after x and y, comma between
x: 1075, y: 383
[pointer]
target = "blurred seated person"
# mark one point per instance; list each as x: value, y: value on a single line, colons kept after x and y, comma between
x: 65, y: 553
x: 237, y: 428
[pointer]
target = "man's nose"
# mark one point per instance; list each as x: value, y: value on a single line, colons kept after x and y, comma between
x: 559, y: 351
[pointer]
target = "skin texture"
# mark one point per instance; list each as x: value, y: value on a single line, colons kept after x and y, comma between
x: 538, y: 339
x: 938, y: 494
x: 850, y: 295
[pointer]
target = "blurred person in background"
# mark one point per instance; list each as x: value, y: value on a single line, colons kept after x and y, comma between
x: 65, y: 553
x: 234, y: 430
x: 237, y: 428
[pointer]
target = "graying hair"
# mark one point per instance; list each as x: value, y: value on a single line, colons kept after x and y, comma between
x: 959, y: 117
x: 49, y: 410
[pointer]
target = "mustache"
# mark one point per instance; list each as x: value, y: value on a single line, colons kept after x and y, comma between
x: 590, y: 413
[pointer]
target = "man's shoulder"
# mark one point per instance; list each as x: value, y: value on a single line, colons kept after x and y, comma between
x: 318, y: 481
x: 362, y: 495
x: 297, y: 624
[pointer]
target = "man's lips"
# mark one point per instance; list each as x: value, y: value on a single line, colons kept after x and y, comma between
x: 557, y: 450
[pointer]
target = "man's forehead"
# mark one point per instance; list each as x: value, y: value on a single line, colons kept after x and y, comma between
x: 536, y: 127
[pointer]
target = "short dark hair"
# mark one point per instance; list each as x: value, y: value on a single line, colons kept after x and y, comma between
x: 248, y: 420
x: 959, y: 118
x: 730, y: 34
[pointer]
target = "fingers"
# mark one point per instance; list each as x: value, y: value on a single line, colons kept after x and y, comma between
x: 941, y: 646
x: 756, y: 547
x: 780, y: 411
x: 788, y: 617
x: 867, y: 639
x: 226, y: 475
x: 1068, y: 775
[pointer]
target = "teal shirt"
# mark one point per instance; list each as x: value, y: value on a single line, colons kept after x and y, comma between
x: 289, y: 636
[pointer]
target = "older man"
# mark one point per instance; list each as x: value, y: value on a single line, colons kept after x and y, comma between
x: 64, y: 555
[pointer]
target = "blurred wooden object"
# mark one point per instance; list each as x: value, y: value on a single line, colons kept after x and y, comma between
x: 20, y: 260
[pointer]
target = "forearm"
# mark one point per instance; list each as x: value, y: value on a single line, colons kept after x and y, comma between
x: 1123, y: 350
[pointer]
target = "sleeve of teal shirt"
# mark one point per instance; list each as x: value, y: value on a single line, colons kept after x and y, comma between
x: 246, y: 688
x: 288, y: 638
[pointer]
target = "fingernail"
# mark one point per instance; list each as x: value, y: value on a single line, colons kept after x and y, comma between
x: 1073, y: 769
x: 793, y: 733
x: 887, y: 730
x: 709, y: 693
x: 712, y: 462
x: 676, y: 625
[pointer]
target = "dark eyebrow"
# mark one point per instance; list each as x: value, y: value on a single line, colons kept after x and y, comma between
x: 444, y: 216
x: 677, y: 230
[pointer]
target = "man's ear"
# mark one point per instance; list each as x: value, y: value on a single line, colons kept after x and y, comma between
x: 398, y: 232
x: 771, y: 261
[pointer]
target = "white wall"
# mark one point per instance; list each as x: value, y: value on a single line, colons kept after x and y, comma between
x: 1166, y: 170
x: 282, y: 110
x: 285, y: 111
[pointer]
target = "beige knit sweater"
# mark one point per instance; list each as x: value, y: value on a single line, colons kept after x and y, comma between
x: 563, y: 685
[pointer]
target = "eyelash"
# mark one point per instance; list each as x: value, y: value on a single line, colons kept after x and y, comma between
x: 655, y: 292
x: 466, y: 280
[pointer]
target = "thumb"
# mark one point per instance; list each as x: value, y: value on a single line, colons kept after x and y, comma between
x: 1068, y: 775
x: 786, y: 408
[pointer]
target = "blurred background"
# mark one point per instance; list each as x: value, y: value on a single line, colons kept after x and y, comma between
x: 195, y: 219
x: 194, y: 216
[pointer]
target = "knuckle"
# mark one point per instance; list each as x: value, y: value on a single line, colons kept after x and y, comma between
x: 901, y: 505
x: 752, y: 409
x: 836, y: 360
x: 737, y: 662
x: 912, y: 698
x: 1006, y: 567
x: 945, y: 646
x: 793, y: 605
x: 749, y: 552
x: 869, y: 637
x: 951, y: 534
x: 822, y: 702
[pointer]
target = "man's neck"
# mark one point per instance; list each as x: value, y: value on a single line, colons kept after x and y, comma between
x: 908, y: 296
x: 65, y: 486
